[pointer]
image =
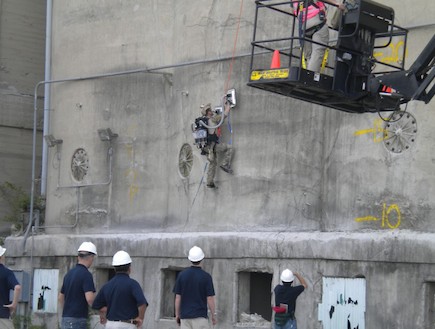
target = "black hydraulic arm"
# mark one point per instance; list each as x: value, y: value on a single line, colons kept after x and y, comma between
x: 423, y: 69
x: 416, y: 83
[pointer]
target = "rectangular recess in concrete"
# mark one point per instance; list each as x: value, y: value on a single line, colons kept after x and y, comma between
x: 254, y: 294
x: 167, y: 304
x: 103, y: 275
x: 429, y: 301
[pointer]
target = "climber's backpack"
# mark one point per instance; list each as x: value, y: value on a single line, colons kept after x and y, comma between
x: 200, y: 133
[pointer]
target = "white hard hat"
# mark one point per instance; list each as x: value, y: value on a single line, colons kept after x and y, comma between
x: 2, y: 251
x: 287, y: 276
x: 88, y: 247
x: 195, y: 254
x: 121, y: 258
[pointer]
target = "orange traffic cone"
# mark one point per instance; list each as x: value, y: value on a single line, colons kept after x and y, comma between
x: 276, y: 62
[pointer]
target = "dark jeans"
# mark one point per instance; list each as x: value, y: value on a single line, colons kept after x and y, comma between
x: 291, y: 324
x: 74, y: 323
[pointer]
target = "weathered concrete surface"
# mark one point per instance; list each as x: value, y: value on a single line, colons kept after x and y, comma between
x: 303, y: 178
x: 385, y: 259
x: 22, y: 26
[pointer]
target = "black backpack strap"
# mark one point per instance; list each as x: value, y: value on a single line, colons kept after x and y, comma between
x: 312, y: 3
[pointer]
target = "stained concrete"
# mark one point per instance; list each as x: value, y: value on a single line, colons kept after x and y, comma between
x: 304, y: 180
x: 22, y: 26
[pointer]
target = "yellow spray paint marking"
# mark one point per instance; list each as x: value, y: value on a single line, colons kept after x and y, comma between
x: 131, y: 174
x: 376, y: 130
x: 385, y: 218
x: 133, y: 187
x: 393, y: 57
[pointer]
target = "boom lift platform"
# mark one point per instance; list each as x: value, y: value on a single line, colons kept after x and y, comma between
x: 355, y: 77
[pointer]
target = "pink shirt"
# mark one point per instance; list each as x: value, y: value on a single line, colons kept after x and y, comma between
x: 313, y: 11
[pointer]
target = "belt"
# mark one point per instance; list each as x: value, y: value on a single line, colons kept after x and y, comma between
x: 131, y: 321
x: 314, y: 29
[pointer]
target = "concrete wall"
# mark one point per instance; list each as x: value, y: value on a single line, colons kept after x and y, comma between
x: 22, y: 40
x: 293, y: 160
x: 310, y: 191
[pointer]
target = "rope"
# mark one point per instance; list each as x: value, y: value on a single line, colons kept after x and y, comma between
x: 200, y: 183
x: 230, y: 71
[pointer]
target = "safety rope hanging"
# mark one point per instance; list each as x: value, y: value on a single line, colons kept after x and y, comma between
x: 229, y: 75
x: 230, y: 71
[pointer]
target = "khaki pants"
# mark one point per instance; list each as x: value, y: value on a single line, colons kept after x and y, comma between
x: 119, y: 325
x: 198, y: 323
x: 227, y: 152
x: 313, y: 52
x: 6, y: 324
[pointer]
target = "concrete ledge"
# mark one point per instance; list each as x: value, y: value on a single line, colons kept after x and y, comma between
x: 376, y: 246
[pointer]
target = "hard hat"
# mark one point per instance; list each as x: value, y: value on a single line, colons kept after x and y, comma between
x: 2, y: 251
x: 121, y: 258
x: 195, y: 254
x: 204, y: 108
x: 88, y: 247
x: 287, y: 276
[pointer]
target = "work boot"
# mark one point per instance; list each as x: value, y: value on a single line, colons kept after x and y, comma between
x: 211, y: 185
x: 227, y: 169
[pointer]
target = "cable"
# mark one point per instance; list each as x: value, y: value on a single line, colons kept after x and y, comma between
x: 230, y: 129
x: 200, y: 183
x: 394, y: 112
x: 230, y: 71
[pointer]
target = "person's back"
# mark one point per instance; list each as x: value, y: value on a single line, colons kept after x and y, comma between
x: 285, y: 300
x: 76, y: 283
x: 121, y: 301
x: 8, y: 282
x: 78, y: 289
x: 194, y: 285
x: 194, y: 291
x: 122, y: 294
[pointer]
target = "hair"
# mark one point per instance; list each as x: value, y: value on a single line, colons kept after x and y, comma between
x: 287, y: 283
x: 85, y: 254
x: 196, y: 263
x: 122, y: 268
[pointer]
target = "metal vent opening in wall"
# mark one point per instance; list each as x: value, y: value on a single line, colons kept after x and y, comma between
x: 400, y: 132
x: 79, y: 164
x: 185, y: 160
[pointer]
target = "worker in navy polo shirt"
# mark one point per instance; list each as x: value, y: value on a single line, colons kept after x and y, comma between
x: 8, y: 282
x: 121, y: 301
x: 78, y: 289
x: 194, y: 291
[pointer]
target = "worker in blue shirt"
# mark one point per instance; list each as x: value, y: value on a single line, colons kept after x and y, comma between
x: 78, y: 289
x: 194, y: 291
x: 8, y: 282
x: 285, y: 300
x: 121, y: 301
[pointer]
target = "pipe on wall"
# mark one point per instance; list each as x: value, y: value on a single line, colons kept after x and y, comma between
x: 47, y: 94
